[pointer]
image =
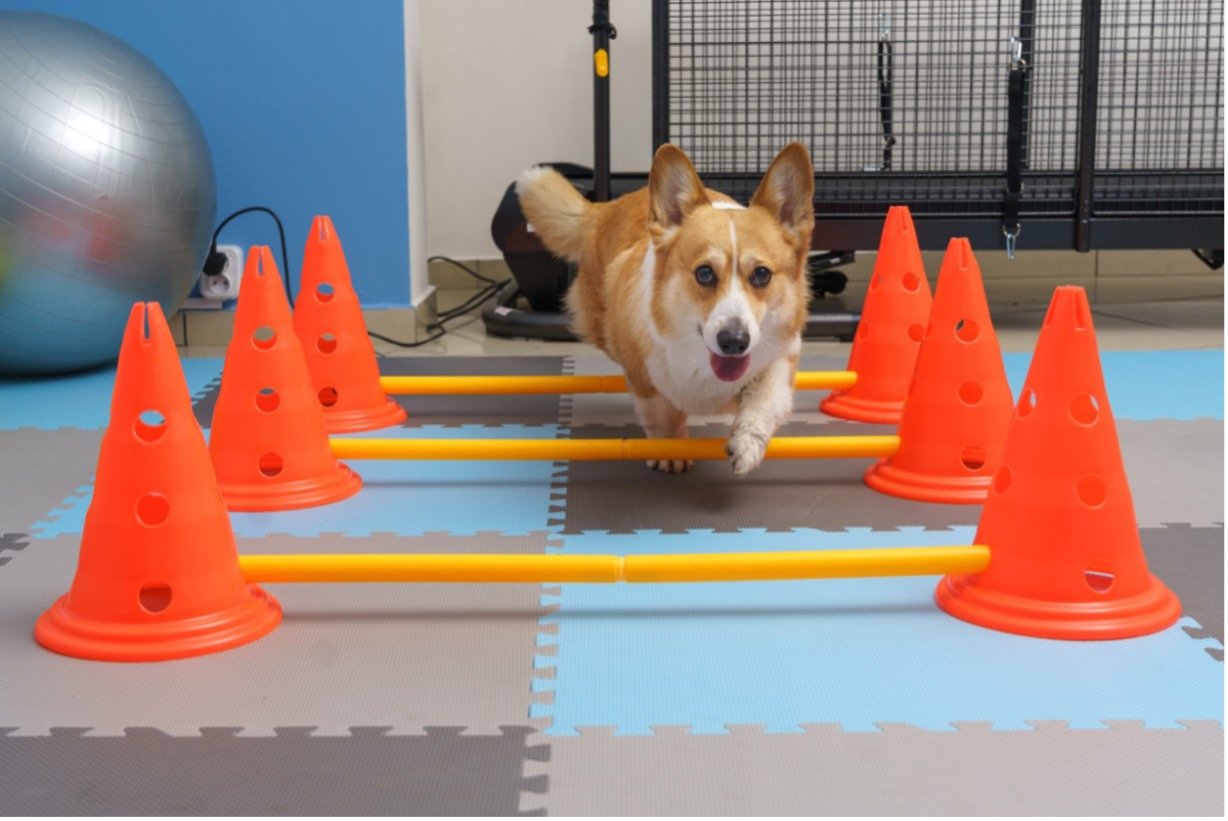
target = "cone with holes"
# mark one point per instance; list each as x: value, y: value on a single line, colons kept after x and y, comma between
x: 340, y: 357
x: 1066, y: 560
x: 893, y: 317
x: 959, y: 403
x: 269, y: 443
x: 158, y: 574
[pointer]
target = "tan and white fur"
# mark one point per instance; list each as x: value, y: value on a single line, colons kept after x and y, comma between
x: 701, y: 301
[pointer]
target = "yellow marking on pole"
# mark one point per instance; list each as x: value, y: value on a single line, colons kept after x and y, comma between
x: 697, y: 567
x: 606, y: 450
x: 507, y: 385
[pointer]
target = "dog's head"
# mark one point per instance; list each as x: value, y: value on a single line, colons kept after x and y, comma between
x: 732, y: 277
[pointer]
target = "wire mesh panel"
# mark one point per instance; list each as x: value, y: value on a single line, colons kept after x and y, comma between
x: 908, y: 101
x: 1160, y: 106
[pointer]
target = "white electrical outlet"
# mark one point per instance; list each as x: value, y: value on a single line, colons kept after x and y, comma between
x: 224, y: 285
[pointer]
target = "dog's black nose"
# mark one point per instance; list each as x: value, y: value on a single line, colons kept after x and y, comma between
x: 733, y: 341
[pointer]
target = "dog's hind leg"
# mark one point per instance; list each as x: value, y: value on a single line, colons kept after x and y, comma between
x: 661, y: 420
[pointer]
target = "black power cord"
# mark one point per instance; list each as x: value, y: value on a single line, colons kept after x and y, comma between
x: 216, y: 261
x: 492, y: 288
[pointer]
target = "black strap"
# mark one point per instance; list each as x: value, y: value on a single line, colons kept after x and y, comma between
x: 1014, y: 153
x: 886, y: 65
x: 601, y: 22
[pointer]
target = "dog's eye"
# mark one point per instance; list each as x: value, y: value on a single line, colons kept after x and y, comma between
x: 760, y: 276
x: 704, y: 275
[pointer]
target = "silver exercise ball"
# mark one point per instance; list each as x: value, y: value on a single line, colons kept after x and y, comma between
x: 107, y: 193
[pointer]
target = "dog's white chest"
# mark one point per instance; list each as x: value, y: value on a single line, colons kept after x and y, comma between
x: 685, y: 378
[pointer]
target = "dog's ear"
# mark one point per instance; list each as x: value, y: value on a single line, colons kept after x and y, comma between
x: 673, y: 188
x: 787, y: 192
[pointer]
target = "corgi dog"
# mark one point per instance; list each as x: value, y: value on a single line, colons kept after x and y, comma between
x: 701, y: 301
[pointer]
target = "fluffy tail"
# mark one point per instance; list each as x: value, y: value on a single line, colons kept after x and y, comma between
x: 555, y: 209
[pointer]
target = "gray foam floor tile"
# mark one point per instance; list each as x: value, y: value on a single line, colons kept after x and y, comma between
x: 217, y: 772
x: 826, y: 494
x: 1190, y: 560
x: 39, y: 469
x: 1175, y: 470
x: 1051, y: 770
x: 403, y: 656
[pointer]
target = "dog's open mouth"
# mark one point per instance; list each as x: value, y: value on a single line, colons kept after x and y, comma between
x: 729, y: 368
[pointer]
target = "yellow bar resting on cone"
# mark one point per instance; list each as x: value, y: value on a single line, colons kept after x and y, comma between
x: 785, y: 447
x: 507, y: 385
x: 697, y: 567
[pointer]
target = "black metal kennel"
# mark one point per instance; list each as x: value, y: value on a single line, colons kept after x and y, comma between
x: 1020, y: 124
x: 1066, y: 124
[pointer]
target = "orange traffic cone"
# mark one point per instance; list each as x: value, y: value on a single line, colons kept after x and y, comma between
x: 269, y: 443
x: 959, y: 405
x: 158, y: 574
x: 340, y: 357
x: 889, y: 334
x: 1065, y: 557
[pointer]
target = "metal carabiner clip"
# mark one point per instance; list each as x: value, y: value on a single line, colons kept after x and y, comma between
x: 1011, y: 236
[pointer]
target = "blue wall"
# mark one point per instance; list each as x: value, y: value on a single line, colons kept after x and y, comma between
x: 303, y: 104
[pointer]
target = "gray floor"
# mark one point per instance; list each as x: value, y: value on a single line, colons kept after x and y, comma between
x: 437, y: 737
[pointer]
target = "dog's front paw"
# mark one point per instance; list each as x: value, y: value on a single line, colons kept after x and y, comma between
x: 745, y: 449
x: 671, y: 465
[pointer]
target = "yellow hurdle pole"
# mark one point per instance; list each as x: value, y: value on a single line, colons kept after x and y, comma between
x: 607, y: 450
x: 430, y: 567
x: 697, y: 567
x: 491, y: 385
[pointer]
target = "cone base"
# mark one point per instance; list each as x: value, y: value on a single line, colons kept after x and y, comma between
x: 69, y: 634
x: 844, y: 405
x: 363, y: 419
x: 920, y: 487
x: 1151, y: 611
x: 334, y: 486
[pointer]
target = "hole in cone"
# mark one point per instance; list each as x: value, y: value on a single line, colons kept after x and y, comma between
x: 862, y: 329
x: 1027, y: 403
x: 325, y: 292
x: 155, y: 597
x: 1084, y: 409
x: 328, y: 397
x: 973, y: 457
x: 874, y: 282
x: 1092, y: 491
x: 916, y: 332
x: 271, y: 465
x: 911, y: 281
x: 264, y: 337
x: 152, y: 509
x: 1099, y: 578
x: 327, y: 343
x: 971, y: 392
x: 966, y: 330
x: 149, y: 425
x: 268, y: 399
x: 1002, y: 481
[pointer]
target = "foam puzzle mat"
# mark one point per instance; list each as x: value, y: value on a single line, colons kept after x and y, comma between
x: 751, y: 698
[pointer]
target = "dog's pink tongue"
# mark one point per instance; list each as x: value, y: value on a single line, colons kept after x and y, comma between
x: 729, y: 368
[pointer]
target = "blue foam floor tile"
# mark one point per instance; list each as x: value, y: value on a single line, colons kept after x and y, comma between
x: 81, y: 400
x: 405, y: 498
x: 1147, y: 385
x: 856, y: 652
